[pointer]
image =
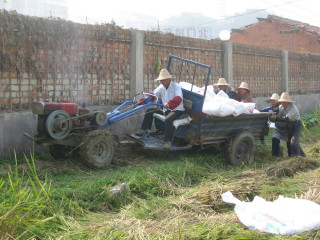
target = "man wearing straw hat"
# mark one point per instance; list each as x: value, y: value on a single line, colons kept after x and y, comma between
x: 274, y: 101
x: 224, y: 86
x: 244, y: 93
x: 288, y: 127
x: 171, y: 95
x: 274, y: 107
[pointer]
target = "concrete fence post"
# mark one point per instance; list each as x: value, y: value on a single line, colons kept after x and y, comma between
x: 136, y: 82
x: 227, y: 62
x: 284, y: 71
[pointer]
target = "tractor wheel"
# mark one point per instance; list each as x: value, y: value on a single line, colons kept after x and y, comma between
x: 240, y: 149
x: 97, y: 149
x: 58, y: 125
x: 58, y: 151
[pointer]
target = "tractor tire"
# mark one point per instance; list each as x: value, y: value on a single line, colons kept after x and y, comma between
x: 97, y: 149
x: 58, y: 151
x: 240, y: 149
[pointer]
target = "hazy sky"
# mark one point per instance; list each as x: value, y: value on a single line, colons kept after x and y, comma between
x: 158, y: 10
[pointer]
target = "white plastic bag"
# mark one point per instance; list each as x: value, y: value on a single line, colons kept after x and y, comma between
x: 285, y: 216
x: 239, y: 107
x: 250, y: 106
x: 222, y: 93
x: 183, y: 121
x: 217, y: 106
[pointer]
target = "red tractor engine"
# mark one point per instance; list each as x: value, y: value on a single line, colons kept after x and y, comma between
x: 56, y: 120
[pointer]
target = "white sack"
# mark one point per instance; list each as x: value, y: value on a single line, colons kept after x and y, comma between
x: 222, y: 93
x: 220, y: 110
x: 285, y: 216
x: 183, y: 121
x: 188, y: 86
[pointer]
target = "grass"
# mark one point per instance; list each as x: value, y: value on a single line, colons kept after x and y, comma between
x: 177, y: 196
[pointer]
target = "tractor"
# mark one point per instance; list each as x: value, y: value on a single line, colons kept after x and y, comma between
x: 69, y: 129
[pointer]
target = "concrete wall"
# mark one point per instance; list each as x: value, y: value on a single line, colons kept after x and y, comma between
x: 13, y: 125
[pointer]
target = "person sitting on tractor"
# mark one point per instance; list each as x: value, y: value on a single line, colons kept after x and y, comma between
x: 224, y: 86
x: 244, y: 93
x: 171, y: 95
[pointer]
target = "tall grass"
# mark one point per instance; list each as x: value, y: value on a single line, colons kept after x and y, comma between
x: 176, y: 197
x: 27, y: 210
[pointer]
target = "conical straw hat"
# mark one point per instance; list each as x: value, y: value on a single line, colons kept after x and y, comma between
x: 221, y: 82
x: 244, y: 85
x: 285, y: 98
x: 274, y: 96
x: 164, y: 74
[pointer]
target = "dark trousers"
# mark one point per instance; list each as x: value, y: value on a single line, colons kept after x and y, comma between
x: 276, y: 147
x: 294, y: 140
x: 170, y: 117
x: 293, y: 144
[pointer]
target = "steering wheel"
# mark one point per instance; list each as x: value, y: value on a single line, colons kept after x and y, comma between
x: 144, y: 94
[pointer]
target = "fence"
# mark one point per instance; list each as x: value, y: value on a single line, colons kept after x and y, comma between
x: 103, y: 64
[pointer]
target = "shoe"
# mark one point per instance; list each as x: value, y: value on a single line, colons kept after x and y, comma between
x: 140, y: 132
x: 167, y: 145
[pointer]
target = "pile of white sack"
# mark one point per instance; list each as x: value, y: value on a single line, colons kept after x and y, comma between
x: 220, y: 104
x: 285, y: 216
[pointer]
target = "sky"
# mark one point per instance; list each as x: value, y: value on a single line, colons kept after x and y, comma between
x: 156, y: 11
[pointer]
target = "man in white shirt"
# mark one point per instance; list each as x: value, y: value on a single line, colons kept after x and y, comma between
x: 171, y: 95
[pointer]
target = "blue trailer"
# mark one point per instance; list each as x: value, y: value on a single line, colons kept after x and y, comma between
x: 66, y: 128
x: 238, y: 133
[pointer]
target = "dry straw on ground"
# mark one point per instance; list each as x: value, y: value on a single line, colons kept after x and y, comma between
x: 290, y: 167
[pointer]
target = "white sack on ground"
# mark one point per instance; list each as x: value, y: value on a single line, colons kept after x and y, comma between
x: 285, y: 216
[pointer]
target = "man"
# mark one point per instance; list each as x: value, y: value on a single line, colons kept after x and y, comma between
x: 288, y: 127
x: 224, y: 86
x: 274, y: 107
x: 171, y: 95
x: 274, y: 101
x: 243, y: 93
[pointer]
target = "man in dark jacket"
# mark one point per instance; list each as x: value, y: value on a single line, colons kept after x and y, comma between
x: 288, y: 127
x: 243, y: 93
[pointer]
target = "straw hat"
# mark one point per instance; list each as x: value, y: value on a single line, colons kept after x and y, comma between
x: 221, y: 82
x: 285, y: 98
x: 244, y: 85
x: 274, y: 96
x: 164, y: 74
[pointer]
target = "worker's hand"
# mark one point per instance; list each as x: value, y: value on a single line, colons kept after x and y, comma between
x: 273, y: 117
x: 139, y: 102
x: 166, y: 106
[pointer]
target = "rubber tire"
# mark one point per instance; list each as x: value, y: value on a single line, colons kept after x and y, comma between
x: 241, y: 149
x: 97, y: 149
x: 58, y: 151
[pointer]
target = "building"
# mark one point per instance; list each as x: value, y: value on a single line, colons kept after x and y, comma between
x: 279, y: 33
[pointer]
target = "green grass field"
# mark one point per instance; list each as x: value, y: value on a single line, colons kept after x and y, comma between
x: 172, y: 196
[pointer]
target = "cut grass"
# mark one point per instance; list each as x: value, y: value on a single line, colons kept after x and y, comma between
x: 173, y: 197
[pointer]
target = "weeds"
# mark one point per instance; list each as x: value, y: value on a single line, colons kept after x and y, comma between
x: 172, y: 197
x: 26, y: 206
